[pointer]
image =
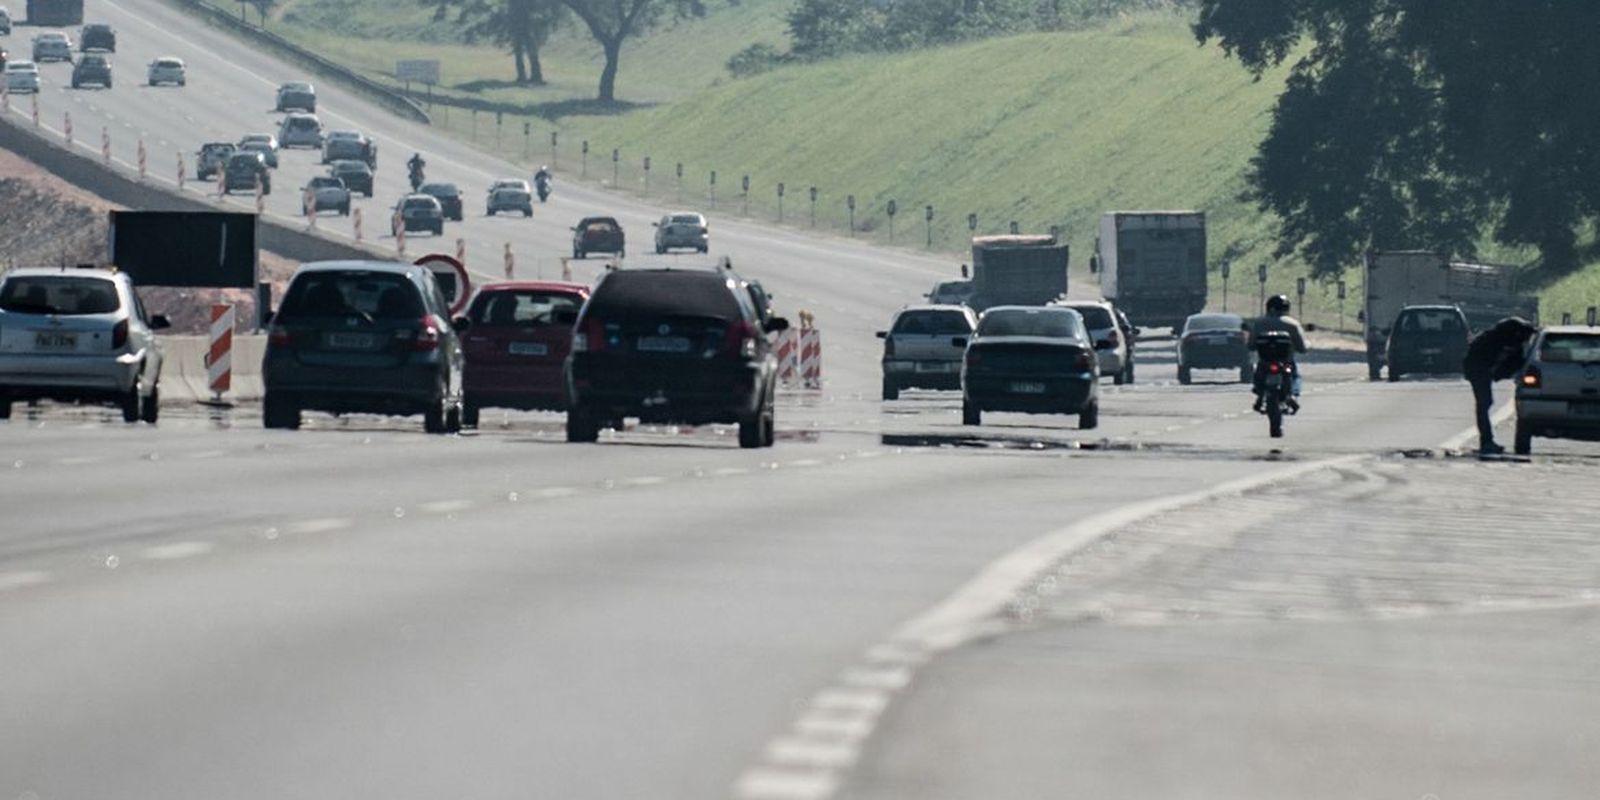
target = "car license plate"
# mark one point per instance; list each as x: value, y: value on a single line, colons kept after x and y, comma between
x: 1027, y: 387
x: 663, y: 344
x: 529, y: 349
x: 1584, y: 409
x: 1273, y: 381
x: 1431, y: 351
x: 54, y: 340
x: 932, y: 366
x: 350, y: 341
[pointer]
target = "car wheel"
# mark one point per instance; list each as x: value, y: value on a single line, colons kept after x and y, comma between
x: 1523, y: 444
x: 1245, y: 375
x: 344, y: 210
x: 581, y: 425
x: 891, y: 390
x: 705, y: 249
x: 970, y: 414
x: 452, y: 419
x: 1116, y: 380
x: 661, y: 251
x: 527, y: 212
x: 469, y: 413
x: 1089, y: 417
x: 488, y: 212
x: 1183, y: 375
x: 752, y: 429
x: 279, y: 412
x: 1394, y: 374
x: 152, y: 405
x: 579, y: 254
x: 433, y: 420
x: 5, y: 408
x: 769, y: 428
x: 183, y: 83
x: 1127, y: 376
x: 108, y: 84
x: 133, y: 401
x: 74, y: 84
x: 1373, y: 370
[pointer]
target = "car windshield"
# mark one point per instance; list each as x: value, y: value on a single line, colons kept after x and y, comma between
x: 1214, y: 322
x: 665, y: 293
x: 296, y: 87
x: 1431, y: 321
x: 63, y: 295
x: 1583, y: 348
x: 350, y: 166
x: 373, y: 295
x: 1052, y: 323
x: 932, y: 323
x: 521, y: 307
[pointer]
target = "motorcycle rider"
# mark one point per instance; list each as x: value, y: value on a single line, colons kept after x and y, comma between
x: 414, y: 170
x: 1494, y: 355
x: 1277, y: 319
x: 541, y: 181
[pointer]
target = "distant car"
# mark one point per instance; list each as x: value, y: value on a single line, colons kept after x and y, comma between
x: 267, y: 139
x: 1427, y: 339
x: 363, y: 337
x: 597, y: 235
x: 449, y: 198
x: 91, y: 70
x: 267, y: 153
x: 355, y: 174
x: 1215, y: 341
x: 168, y: 70
x: 923, y: 348
x: 509, y: 198
x: 300, y: 130
x: 97, y: 36
x: 517, y: 345
x: 328, y: 192
x: 243, y: 169
x: 349, y: 145
x: 51, y: 46
x: 419, y: 212
x: 950, y: 293
x: 1558, y: 390
x: 212, y: 157
x: 1034, y: 360
x: 78, y: 336
x: 22, y: 76
x: 296, y: 96
x: 5, y: 55
x: 1114, y: 342
x: 680, y: 346
x: 683, y: 229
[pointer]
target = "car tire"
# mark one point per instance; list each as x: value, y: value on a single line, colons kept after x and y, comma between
x: 469, y: 412
x: 108, y: 85
x: 433, y: 419
x: 1374, y: 370
x: 579, y: 254
x: 661, y: 251
x: 527, y: 212
x: 183, y: 83
x: 1522, y: 445
x: 705, y: 249
x: 5, y: 408
x: 582, y: 427
x: 279, y: 412
x: 1116, y: 380
x: 891, y: 390
x: 1183, y: 376
x: 452, y: 419
x: 133, y: 401
x: 152, y: 406
x: 1089, y: 417
x: 1394, y: 375
x: 75, y: 85
x: 344, y: 210
x: 971, y: 414
x: 752, y: 429
x: 1246, y: 374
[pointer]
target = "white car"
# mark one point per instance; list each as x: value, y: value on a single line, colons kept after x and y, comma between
x: 1558, y: 390
x: 78, y: 335
x: 22, y: 76
x: 300, y: 130
x: 52, y: 46
x: 327, y: 192
x: 1113, y: 342
x: 167, y: 69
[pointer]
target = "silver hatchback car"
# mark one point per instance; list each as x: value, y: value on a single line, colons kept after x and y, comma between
x: 300, y: 130
x: 684, y: 230
x: 1558, y: 390
x: 923, y: 348
x: 78, y: 335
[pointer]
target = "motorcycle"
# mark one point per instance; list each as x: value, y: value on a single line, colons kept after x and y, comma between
x: 542, y: 185
x: 1277, y: 379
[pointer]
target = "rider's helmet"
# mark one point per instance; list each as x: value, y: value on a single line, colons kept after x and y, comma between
x: 544, y: 167
x: 1278, y: 304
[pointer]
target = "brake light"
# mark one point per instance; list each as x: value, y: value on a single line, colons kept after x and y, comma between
x: 741, y: 340
x: 1274, y: 368
x: 1532, y: 377
x: 974, y: 357
x: 427, y: 338
x: 590, y: 337
x: 278, y: 336
x: 1085, y: 362
x: 119, y: 334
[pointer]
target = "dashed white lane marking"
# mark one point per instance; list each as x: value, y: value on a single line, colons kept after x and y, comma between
x: 78, y: 461
x: 176, y: 550
x: 781, y: 784
x: 811, y: 753
x: 554, y: 492
x: 851, y: 701
x: 208, y: 454
x: 21, y: 580
x: 644, y: 480
x: 806, y: 462
x: 446, y: 506
x: 726, y: 472
x: 323, y: 525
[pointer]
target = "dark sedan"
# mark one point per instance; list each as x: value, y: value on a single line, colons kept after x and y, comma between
x: 355, y: 174
x: 1427, y: 339
x: 1214, y: 341
x: 449, y: 197
x: 1033, y: 360
x: 597, y: 235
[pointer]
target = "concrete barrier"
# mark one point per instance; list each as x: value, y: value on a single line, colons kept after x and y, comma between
x: 183, y: 372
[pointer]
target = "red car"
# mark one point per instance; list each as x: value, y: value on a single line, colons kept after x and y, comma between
x: 517, y: 344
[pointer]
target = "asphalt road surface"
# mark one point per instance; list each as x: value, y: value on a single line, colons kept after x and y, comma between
x: 204, y: 609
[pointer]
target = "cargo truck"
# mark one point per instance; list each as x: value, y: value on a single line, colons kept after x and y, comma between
x: 55, y: 13
x: 1017, y: 270
x: 1152, y: 264
x: 1485, y: 293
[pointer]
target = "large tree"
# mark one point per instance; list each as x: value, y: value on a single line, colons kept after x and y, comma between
x: 613, y: 22
x: 1424, y: 123
x: 522, y: 26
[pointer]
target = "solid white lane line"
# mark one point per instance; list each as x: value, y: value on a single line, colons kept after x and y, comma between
x: 446, y: 506
x: 20, y: 580
x: 323, y: 525
x: 176, y: 550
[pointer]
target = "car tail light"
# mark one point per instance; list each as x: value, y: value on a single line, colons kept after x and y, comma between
x: 590, y: 337
x: 741, y: 340
x: 278, y: 336
x: 974, y: 357
x: 119, y: 334
x: 1532, y: 377
x: 1085, y: 362
x: 427, y: 338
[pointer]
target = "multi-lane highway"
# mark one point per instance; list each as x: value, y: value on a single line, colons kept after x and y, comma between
x: 204, y: 609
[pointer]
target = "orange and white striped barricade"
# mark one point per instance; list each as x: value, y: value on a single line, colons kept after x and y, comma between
x: 142, y: 155
x: 789, y: 358
x: 261, y: 196
x: 181, y: 168
x: 66, y: 126
x: 308, y: 206
x: 105, y: 144
x: 399, y: 234
x: 5, y: 95
x: 355, y: 222
x: 810, y: 354
x: 222, y: 182
x: 35, y: 98
x: 510, y: 262
x: 566, y: 269
x: 219, y: 356
x: 461, y: 250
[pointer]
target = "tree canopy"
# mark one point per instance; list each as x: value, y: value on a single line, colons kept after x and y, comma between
x: 1424, y: 123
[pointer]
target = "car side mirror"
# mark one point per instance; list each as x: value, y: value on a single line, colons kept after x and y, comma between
x: 159, y: 322
x: 883, y: 334
x: 460, y: 324
x: 1135, y: 331
x: 776, y: 325
x: 1104, y: 344
x: 958, y: 341
x: 655, y: 224
x: 567, y: 317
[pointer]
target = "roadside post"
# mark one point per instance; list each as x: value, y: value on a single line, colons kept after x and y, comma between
x: 1261, y: 278
x: 1300, y: 295
x: 713, y: 189
x: 850, y: 202
x: 1340, y: 290
x: 1566, y: 318
x: 555, y: 152
x: 616, y: 166
x: 892, y: 208
x: 679, y: 172
x: 1590, y: 317
x: 527, y: 140
x: 647, y: 175
x: 927, y: 218
x: 780, y: 202
x: 461, y: 249
x: 1015, y: 228
x: 142, y: 155
x: 499, y: 127
x: 1225, y: 270
x: 745, y: 184
x: 972, y: 223
x: 813, y: 206
x: 584, y: 170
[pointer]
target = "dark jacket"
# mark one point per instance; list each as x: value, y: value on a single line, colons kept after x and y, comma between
x: 1497, y: 353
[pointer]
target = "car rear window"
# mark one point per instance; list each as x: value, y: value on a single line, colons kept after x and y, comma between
x: 1094, y: 317
x: 64, y: 295
x: 625, y: 294
x: 1577, y: 347
x: 1440, y: 321
x: 325, y: 183
x: 521, y: 308
x: 168, y: 62
x: 420, y: 202
x: 301, y: 124
x: 376, y: 295
x: 1214, y: 322
x: 1030, y: 322
x: 441, y: 189
x: 933, y: 323
x: 686, y: 219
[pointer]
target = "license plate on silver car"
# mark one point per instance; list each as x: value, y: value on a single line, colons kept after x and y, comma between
x: 1027, y: 387
x: 55, y: 340
x: 529, y: 349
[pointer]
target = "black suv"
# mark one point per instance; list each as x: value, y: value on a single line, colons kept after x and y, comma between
x: 91, y: 69
x: 243, y: 169
x: 685, y: 346
x: 355, y: 174
x: 97, y: 36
